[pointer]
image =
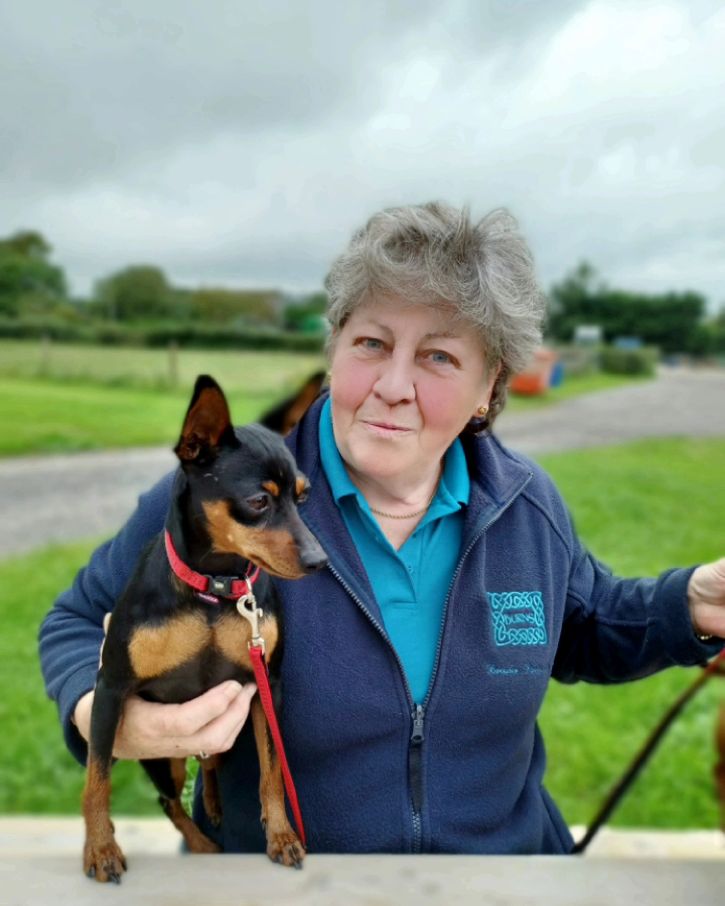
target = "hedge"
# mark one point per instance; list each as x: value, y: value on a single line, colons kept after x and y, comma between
x: 159, y: 334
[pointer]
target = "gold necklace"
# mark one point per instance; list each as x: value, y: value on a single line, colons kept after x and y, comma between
x: 407, y: 515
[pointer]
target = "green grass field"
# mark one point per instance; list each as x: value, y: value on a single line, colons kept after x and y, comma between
x: 96, y: 398
x: 641, y: 507
x: 249, y: 372
x: 91, y: 397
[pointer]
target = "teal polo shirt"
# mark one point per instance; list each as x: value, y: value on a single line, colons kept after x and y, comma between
x: 410, y: 584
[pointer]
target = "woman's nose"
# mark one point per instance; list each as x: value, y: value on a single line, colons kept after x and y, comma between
x: 396, y: 382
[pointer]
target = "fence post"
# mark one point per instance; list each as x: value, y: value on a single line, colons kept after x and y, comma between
x: 173, y: 364
x: 45, y: 352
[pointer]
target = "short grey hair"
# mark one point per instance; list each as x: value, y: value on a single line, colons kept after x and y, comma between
x: 432, y: 254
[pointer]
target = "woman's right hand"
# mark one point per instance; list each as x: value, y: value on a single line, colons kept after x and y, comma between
x: 208, y: 724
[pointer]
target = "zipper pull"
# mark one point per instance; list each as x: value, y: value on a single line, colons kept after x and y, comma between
x: 417, y: 736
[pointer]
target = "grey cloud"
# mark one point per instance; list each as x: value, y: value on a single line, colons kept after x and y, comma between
x: 89, y: 89
x: 242, y: 142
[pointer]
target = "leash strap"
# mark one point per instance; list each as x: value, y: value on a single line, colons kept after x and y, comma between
x: 261, y: 676
x: 621, y: 787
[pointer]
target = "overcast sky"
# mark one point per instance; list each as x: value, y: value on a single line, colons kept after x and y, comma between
x: 240, y: 143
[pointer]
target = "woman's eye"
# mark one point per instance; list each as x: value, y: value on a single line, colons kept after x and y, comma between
x: 259, y: 503
x: 440, y: 357
x: 371, y: 343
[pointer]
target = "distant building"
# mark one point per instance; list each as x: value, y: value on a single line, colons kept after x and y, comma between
x: 587, y: 335
x: 627, y: 343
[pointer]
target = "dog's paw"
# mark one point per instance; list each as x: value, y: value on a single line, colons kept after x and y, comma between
x: 200, y: 843
x: 285, y: 847
x: 104, y: 862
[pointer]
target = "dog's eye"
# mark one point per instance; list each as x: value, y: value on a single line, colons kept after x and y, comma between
x: 301, y: 497
x: 259, y: 503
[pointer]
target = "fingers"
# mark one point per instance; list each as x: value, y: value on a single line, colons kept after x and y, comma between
x: 209, y: 723
x: 190, y: 718
x: 220, y: 733
x: 706, y: 596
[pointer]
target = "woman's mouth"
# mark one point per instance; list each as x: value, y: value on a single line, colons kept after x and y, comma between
x: 386, y: 429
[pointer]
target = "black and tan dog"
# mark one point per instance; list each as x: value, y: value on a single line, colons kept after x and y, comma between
x: 233, y: 509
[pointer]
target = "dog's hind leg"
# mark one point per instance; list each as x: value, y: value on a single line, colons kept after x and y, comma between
x: 212, y: 798
x: 169, y: 776
x: 283, y: 844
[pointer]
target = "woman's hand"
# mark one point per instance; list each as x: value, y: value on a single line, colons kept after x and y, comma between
x: 706, y: 596
x: 209, y: 723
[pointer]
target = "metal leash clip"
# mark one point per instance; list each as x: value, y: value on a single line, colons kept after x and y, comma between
x: 247, y: 607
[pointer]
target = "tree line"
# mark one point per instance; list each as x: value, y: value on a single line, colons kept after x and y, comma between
x: 675, y: 322
x: 33, y: 288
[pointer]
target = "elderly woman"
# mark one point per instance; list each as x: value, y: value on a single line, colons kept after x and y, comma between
x: 416, y: 663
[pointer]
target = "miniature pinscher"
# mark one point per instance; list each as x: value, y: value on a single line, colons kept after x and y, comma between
x: 232, y: 519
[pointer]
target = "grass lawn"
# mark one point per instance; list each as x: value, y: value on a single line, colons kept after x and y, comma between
x: 642, y: 507
x: 93, y: 397
x: 245, y: 371
x: 37, y: 775
x: 60, y: 418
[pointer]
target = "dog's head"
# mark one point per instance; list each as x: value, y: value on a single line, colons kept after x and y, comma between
x: 243, y: 488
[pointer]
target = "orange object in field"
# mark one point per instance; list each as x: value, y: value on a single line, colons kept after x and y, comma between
x: 537, y: 377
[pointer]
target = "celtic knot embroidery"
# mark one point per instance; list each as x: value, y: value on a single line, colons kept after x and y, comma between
x: 518, y: 617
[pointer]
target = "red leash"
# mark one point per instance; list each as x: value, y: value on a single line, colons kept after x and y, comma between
x: 261, y: 676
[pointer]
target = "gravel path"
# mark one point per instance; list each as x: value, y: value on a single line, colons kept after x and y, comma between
x: 52, y: 499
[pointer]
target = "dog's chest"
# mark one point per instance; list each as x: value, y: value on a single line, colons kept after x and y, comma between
x: 157, y: 650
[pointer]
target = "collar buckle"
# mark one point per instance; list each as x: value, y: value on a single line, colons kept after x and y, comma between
x: 220, y: 585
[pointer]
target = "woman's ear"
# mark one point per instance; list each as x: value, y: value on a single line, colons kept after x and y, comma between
x: 493, y: 374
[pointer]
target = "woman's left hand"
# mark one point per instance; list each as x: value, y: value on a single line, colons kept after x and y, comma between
x: 706, y: 596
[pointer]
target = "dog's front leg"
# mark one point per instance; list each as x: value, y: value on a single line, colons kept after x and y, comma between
x: 102, y: 857
x: 283, y: 844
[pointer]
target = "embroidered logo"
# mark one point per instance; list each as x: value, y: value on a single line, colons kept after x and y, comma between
x: 518, y: 618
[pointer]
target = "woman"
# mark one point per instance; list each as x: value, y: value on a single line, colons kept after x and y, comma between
x: 415, y: 665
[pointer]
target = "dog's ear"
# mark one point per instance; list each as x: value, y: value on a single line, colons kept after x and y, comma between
x: 285, y: 415
x: 207, y: 425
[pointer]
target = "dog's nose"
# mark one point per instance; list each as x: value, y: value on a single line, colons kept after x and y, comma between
x: 313, y: 559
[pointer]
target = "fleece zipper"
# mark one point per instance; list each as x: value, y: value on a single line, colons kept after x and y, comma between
x: 414, y: 762
x: 415, y: 752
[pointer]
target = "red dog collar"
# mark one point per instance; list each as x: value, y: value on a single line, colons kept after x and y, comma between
x: 211, y: 587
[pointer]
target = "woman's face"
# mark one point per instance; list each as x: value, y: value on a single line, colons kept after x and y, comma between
x: 405, y: 380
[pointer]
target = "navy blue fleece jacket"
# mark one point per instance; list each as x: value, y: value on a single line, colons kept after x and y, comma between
x: 462, y: 774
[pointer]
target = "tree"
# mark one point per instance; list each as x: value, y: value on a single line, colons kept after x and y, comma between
x: 306, y: 314
x: 25, y: 271
x: 668, y: 320
x: 228, y: 306
x: 135, y: 293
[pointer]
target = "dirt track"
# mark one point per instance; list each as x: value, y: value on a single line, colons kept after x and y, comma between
x: 61, y: 498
